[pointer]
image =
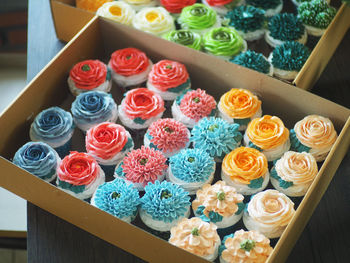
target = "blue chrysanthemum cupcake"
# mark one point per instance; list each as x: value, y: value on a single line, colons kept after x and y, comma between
x: 39, y: 159
x: 55, y: 127
x: 93, y: 107
x: 255, y: 61
x: 191, y: 169
x: 216, y: 136
x: 117, y: 198
x: 164, y: 205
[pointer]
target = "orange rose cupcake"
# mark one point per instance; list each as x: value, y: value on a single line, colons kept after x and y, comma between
x: 313, y: 134
x: 239, y: 106
x: 246, y: 170
x: 269, y: 135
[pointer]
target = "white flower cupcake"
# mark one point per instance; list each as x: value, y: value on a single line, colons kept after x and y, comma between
x: 269, y: 212
x: 137, y: 5
x: 117, y: 11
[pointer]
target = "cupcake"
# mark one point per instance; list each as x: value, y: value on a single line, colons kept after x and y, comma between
x: 55, y: 127
x: 246, y: 170
x: 223, y: 42
x: 268, y: 212
x: 313, y: 134
x: 175, y: 6
x: 221, y: 7
x: 192, y: 106
x: 168, y: 136
x: 191, y: 169
x: 168, y: 79
x: 163, y: 205
x: 285, y: 27
x: 248, y: 21
x: 118, y: 199
x: 288, y: 59
x: 294, y: 173
x: 140, y: 107
x: 239, y: 106
x: 137, y: 5
x: 218, y: 203
x: 245, y: 246
x: 255, y: 61
x: 130, y: 67
x: 90, y: 5
x: 89, y: 75
x: 117, y: 11
x: 268, y: 135
x: 216, y: 136
x: 141, y: 166
x: 93, y: 107
x: 108, y: 143
x: 154, y: 20
x: 79, y: 174
x: 298, y: 2
x: 271, y: 7
x: 197, y: 237
x: 198, y: 18
x: 39, y: 159
x: 185, y: 37
x: 316, y: 16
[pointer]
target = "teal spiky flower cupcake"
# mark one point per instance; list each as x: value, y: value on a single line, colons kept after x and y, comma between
x: 271, y: 7
x: 288, y: 59
x: 316, y: 16
x: 248, y: 21
x: 255, y: 61
x: 285, y: 27
x: 185, y: 37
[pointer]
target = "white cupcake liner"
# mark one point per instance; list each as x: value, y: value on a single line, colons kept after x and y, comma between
x: 166, y: 95
x: 314, y: 31
x: 105, y: 86
x: 281, y: 73
x: 276, y: 42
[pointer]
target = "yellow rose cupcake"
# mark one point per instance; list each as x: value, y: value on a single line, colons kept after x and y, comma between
x: 269, y: 135
x: 239, y: 106
x: 117, y: 11
x: 314, y: 134
x: 245, y: 246
x: 294, y: 173
x: 137, y: 5
x: 269, y: 212
x: 246, y: 170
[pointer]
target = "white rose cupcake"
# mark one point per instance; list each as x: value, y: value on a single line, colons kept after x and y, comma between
x: 137, y: 5
x: 269, y: 212
x: 117, y: 11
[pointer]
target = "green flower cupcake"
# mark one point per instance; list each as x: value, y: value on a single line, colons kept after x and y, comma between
x: 185, y: 37
x: 271, y: 7
x: 199, y: 18
x: 224, y: 42
x: 255, y: 61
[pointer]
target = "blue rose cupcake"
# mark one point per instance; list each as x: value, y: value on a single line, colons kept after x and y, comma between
x: 55, y: 127
x: 191, y: 169
x: 39, y: 159
x: 93, y: 107
x: 164, y: 205
x: 216, y: 136
x: 118, y: 199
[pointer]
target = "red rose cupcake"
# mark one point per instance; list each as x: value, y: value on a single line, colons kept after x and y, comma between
x: 175, y: 6
x: 108, y: 143
x: 142, y: 166
x: 89, y: 75
x: 222, y: 6
x: 79, y: 174
x: 139, y: 108
x: 168, y: 79
x: 130, y: 67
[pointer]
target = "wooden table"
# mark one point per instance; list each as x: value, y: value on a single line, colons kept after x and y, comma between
x: 326, y: 237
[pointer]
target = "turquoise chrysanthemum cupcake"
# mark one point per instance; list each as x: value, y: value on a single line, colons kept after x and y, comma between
x: 255, y: 61
x: 271, y: 7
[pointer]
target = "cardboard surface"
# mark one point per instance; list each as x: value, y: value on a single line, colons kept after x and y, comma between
x: 49, y: 88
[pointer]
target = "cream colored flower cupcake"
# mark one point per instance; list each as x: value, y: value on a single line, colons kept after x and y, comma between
x: 314, y: 134
x: 154, y: 20
x: 197, y: 237
x: 269, y: 212
x: 294, y: 173
x: 117, y: 11
x: 245, y: 246
x: 137, y: 5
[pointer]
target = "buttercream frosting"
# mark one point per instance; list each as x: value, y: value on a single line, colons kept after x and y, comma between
x: 118, y: 11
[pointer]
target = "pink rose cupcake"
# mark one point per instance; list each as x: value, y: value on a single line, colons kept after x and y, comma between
x: 108, y: 143
x: 142, y: 166
x: 79, y: 174
x: 89, y: 75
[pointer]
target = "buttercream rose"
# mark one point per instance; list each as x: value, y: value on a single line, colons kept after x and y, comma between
x: 185, y: 37
x: 129, y: 61
x: 218, y: 2
x: 118, y: 11
x: 175, y: 6
x: 197, y: 17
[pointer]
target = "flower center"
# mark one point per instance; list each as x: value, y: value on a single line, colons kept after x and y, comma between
x: 195, y: 231
x: 169, y: 66
x: 213, y: 127
x: 115, y: 195
x: 191, y: 159
x: 198, y: 11
x: 115, y: 10
x: 247, y: 244
x: 85, y: 67
x: 168, y: 129
x: 143, y: 161
x: 151, y: 16
x: 165, y: 194
x: 220, y: 196
x: 196, y: 99
x: 128, y: 57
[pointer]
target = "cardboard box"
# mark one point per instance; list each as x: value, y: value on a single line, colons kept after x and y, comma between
x: 50, y: 88
x: 69, y: 20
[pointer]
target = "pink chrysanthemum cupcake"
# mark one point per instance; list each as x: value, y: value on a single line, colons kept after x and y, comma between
x: 142, y: 166
x: 168, y: 136
x: 192, y: 106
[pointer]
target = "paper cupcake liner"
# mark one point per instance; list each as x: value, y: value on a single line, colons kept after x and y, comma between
x: 64, y: 149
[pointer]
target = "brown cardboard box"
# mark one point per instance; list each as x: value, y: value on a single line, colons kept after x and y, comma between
x: 98, y: 39
x: 69, y: 20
